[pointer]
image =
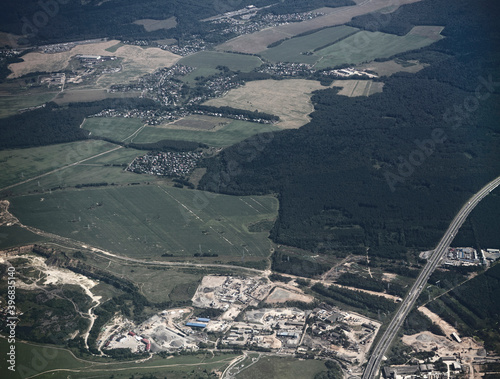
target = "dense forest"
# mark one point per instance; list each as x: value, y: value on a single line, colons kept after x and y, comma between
x: 474, y: 308
x: 56, y: 124
x: 388, y: 171
x: 55, y: 21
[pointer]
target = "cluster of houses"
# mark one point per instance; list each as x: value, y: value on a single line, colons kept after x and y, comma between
x: 165, y: 164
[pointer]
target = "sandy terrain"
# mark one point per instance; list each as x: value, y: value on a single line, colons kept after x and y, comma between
x: 288, y: 99
x: 447, y: 328
x: 353, y: 88
x: 426, y: 341
x: 281, y: 295
x: 150, y: 25
x: 145, y: 60
x: 257, y: 42
x: 389, y: 276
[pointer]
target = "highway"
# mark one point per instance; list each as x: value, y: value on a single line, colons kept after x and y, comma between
x: 407, y: 304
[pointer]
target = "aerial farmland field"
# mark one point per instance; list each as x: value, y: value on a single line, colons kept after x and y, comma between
x: 367, y: 46
x: 227, y: 135
x: 148, y: 221
x: 289, y: 99
x: 10, y: 104
x: 22, y: 164
x: 293, y: 50
x: 212, y: 59
x: 116, y: 128
x: 353, y: 88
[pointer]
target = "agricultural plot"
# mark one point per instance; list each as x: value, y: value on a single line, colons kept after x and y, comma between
x: 85, y: 173
x: 301, y: 49
x: 353, y: 88
x: 198, y: 122
x: 12, y: 236
x: 367, y: 46
x: 392, y: 66
x: 288, y: 99
x: 150, y: 25
x: 11, y: 104
x: 57, y: 363
x: 87, y: 95
x: 22, y: 164
x: 148, y: 221
x: 227, y: 135
x: 115, y: 128
x: 282, y: 368
x: 256, y: 42
x: 212, y: 59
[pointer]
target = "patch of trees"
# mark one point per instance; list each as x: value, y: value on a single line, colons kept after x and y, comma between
x: 229, y: 111
x: 74, y: 21
x: 355, y: 299
x: 4, y: 66
x: 371, y: 284
x: 100, y: 184
x: 474, y: 307
x: 279, y: 278
x: 167, y: 145
x: 290, y: 264
x: 416, y: 322
x: 206, y: 255
x: 57, y: 124
x: 381, y: 150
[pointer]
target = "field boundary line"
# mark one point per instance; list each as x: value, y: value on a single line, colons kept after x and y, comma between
x: 60, y: 168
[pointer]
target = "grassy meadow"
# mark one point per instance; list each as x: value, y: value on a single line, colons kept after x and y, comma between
x: 228, y: 135
x: 293, y: 50
x: 150, y: 220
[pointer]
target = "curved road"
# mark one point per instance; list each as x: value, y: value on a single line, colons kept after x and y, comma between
x: 383, y: 344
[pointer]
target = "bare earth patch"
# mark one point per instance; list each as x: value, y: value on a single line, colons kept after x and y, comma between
x: 388, y: 276
x: 282, y: 295
x: 288, y: 99
x: 432, y: 32
x: 353, y: 88
x: 153, y: 25
x: 258, y: 41
x: 390, y: 67
x: 447, y: 328
x: 141, y: 60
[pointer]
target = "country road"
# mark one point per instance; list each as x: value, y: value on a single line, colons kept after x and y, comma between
x: 385, y: 341
x: 60, y: 168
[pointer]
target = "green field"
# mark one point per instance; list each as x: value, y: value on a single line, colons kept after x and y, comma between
x: 202, y: 71
x: 292, y: 49
x: 367, y: 46
x: 212, y: 59
x: 9, y: 105
x: 228, y: 135
x: 282, y: 368
x: 12, y: 236
x: 83, y: 174
x: 147, y: 221
x: 21, y: 164
x: 33, y: 359
x: 115, y: 128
